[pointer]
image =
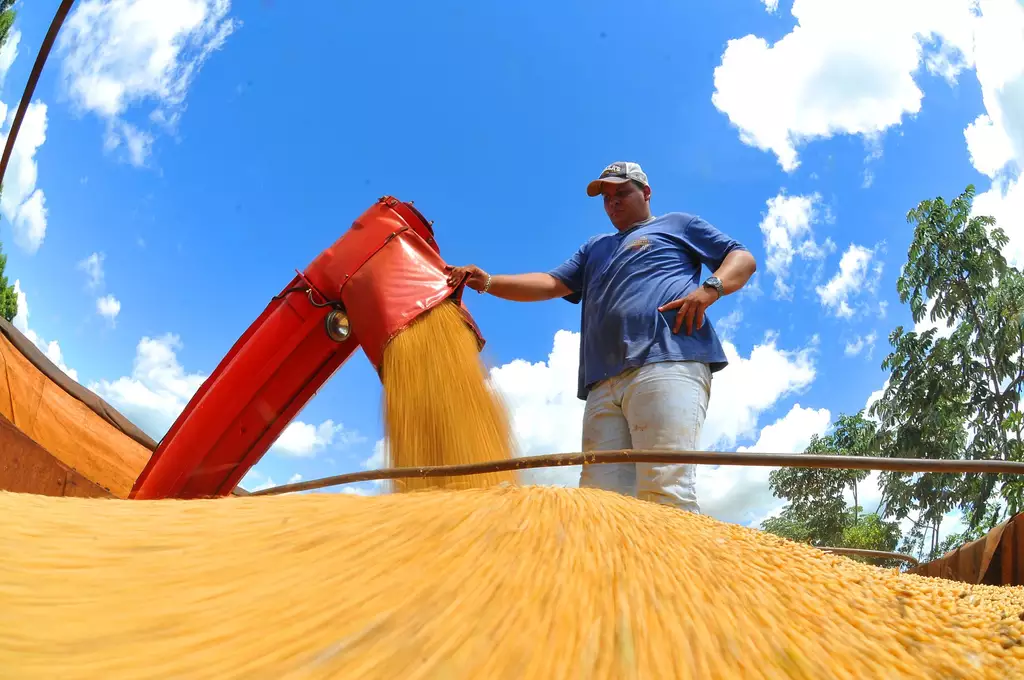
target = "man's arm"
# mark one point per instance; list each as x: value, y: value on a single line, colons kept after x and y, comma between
x: 532, y: 287
x: 734, y: 272
x: 729, y: 261
x: 737, y: 268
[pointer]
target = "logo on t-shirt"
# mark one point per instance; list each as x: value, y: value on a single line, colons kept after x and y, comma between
x: 639, y: 244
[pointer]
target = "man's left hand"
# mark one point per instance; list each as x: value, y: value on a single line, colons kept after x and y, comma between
x: 691, y: 308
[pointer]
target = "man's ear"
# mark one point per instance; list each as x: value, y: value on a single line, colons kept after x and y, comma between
x: 647, y: 193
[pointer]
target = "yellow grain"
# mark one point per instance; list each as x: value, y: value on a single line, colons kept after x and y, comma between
x: 438, y: 408
x: 505, y: 582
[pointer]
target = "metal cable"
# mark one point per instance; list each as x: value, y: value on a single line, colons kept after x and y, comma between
x: 33, y: 78
x: 677, y: 457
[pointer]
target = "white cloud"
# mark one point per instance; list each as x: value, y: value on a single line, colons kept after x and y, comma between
x: 841, y: 70
x: 22, y: 203
x: 108, y: 307
x: 869, y: 493
x: 379, y: 457
x: 874, y: 144
x: 751, y: 385
x: 8, y: 54
x: 996, y: 138
x: 376, y: 461
x: 265, y: 484
x: 872, y: 398
x: 137, y: 143
x: 1005, y: 202
x: 305, y: 440
x: 354, y: 490
x: 788, y: 233
x: 30, y: 222
x: 119, y: 53
x: 771, y: 6
x: 851, y: 278
x: 727, y: 325
x: 93, y: 268
x: 942, y: 330
x: 52, y: 348
x: 545, y: 414
x: 860, y: 343
x: 742, y: 494
x: 989, y: 146
x: 254, y: 480
x: 159, y: 388
x: 547, y: 417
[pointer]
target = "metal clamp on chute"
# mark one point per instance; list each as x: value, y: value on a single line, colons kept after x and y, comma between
x: 362, y: 291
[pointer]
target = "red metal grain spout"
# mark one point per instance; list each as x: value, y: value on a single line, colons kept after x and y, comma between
x: 383, y: 273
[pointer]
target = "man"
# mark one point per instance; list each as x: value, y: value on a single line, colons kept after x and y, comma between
x: 647, y: 353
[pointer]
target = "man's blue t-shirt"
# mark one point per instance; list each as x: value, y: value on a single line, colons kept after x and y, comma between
x: 623, y: 278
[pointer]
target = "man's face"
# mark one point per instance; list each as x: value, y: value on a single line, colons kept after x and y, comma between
x: 625, y: 203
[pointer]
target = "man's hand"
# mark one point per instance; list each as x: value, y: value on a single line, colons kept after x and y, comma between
x: 691, y: 308
x: 477, y: 277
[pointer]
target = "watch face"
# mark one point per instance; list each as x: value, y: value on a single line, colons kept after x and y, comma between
x: 713, y: 282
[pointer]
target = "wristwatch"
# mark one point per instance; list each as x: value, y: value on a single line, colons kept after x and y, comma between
x: 716, y: 283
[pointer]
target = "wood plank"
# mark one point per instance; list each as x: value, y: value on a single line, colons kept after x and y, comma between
x: 1008, y: 550
x: 26, y: 467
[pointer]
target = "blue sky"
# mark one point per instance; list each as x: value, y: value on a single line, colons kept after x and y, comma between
x: 199, y: 151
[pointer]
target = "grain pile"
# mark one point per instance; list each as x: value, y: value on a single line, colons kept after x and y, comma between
x: 438, y: 409
x: 507, y: 582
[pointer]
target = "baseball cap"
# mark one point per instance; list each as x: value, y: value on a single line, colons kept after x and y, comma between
x: 617, y: 173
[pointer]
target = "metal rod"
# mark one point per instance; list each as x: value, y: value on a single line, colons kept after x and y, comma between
x: 877, y: 554
x: 33, y: 78
x: 648, y: 456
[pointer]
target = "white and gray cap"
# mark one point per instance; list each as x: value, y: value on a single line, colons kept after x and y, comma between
x: 617, y: 173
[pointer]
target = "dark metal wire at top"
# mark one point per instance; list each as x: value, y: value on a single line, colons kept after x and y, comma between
x: 33, y: 78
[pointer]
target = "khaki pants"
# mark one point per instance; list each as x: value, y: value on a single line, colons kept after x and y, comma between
x: 657, y: 406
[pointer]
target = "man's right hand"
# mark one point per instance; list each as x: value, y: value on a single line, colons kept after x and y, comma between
x: 477, y: 277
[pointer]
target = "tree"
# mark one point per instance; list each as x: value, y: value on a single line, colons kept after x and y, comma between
x: 817, y: 512
x: 953, y: 541
x: 8, y: 298
x: 852, y: 529
x: 954, y: 392
x: 817, y: 494
x: 956, y: 396
x: 6, y: 19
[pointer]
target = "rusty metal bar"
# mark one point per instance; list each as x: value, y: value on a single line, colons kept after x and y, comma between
x: 33, y: 78
x: 877, y: 554
x: 650, y: 456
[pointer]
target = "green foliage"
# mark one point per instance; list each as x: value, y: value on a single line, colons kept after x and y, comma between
x: 954, y: 392
x: 817, y: 512
x: 8, y: 298
x: 789, y: 525
x: 956, y: 396
x: 6, y: 19
x: 992, y: 517
x: 851, y: 528
x: 816, y: 495
x: 871, y: 532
